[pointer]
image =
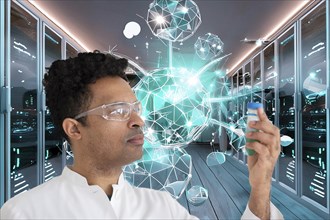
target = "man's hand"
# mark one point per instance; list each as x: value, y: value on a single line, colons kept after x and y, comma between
x: 262, y: 163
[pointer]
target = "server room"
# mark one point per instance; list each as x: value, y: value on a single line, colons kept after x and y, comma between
x: 175, y: 140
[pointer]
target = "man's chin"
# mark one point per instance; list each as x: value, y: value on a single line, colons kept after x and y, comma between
x: 139, y: 154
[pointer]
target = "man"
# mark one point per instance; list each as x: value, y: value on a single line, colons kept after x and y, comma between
x: 90, y: 99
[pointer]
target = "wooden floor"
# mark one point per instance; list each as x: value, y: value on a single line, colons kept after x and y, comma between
x: 228, y: 188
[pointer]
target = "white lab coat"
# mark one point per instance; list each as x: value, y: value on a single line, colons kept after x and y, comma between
x: 69, y: 196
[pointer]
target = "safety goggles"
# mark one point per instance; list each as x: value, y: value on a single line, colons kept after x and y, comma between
x: 118, y: 111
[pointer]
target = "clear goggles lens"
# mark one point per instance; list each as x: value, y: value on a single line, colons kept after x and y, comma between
x: 119, y: 111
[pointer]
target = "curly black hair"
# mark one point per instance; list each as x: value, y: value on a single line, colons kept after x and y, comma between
x: 66, y: 83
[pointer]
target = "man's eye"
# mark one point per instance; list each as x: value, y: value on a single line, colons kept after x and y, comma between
x: 137, y: 109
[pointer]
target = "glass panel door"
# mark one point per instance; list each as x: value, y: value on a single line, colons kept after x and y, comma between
x: 269, y: 82
x: 234, y: 110
x: 24, y: 132
x: 229, y: 117
x: 2, y: 103
x: 247, y: 84
x: 53, y: 141
x: 256, y: 82
x: 247, y: 94
x: 313, y: 84
x: 286, y: 73
x: 241, y: 123
x: 269, y: 76
x: 70, y: 51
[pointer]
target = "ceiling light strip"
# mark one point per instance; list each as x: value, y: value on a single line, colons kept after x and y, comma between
x: 57, y: 23
x: 275, y: 30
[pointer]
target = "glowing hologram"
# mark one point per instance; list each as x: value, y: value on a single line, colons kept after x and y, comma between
x: 237, y: 135
x: 238, y: 131
x: 204, y: 68
x: 215, y: 158
x: 208, y: 46
x: 235, y: 132
x: 173, y: 20
x: 161, y: 169
x: 178, y: 104
x: 176, y: 188
x: 197, y: 195
x: 175, y: 110
x: 286, y: 141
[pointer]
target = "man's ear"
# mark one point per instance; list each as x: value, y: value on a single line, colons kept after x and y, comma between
x: 70, y: 127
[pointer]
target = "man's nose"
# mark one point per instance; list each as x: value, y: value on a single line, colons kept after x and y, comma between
x: 135, y: 120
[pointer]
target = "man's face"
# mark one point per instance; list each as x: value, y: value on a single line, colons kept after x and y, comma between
x: 107, y: 143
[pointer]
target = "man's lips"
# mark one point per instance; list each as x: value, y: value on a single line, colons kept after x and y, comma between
x: 136, y: 139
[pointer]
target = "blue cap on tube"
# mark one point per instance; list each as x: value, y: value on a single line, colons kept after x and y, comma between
x: 254, y: 105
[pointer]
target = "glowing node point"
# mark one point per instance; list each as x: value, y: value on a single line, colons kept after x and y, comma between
x: 184, y: 9
x: 176, y: 113
x: 160, y: 19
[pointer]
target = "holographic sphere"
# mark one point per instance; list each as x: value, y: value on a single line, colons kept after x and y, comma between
x: 161, y: 169
x: 209, y: 46
x: 215, y: 158
x: 176, y: 107
x: 197, y: 195
x: 173, y: 20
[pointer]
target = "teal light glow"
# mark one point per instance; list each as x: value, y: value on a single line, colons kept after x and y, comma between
x: 162, y: 169
x: 176, y: 111
x: 178, y: 104
x: 312, y: 74
x: 181, y: 101
x: 197, y: 195
x: 208, y: 46
x: 215, y: 158
x: 184, y: 10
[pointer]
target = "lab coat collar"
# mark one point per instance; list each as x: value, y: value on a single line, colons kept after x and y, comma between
x: 76, y: 178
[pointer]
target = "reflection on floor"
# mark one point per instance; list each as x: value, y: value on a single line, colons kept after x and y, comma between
x: 228, y: 188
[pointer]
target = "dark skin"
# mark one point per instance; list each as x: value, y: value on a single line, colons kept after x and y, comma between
x: 102, y: 147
